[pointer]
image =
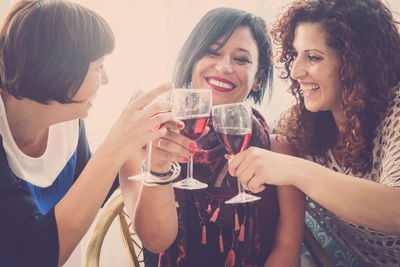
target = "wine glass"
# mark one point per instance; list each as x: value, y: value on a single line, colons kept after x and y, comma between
x: 146, y: 175
x: 193, y: 107
x: 232, y: 123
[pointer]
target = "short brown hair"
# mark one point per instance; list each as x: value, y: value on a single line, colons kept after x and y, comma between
x: 46, y: 48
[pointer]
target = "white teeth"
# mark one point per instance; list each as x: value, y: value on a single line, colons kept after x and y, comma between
x: 309, y: 87
x: 220, y: 84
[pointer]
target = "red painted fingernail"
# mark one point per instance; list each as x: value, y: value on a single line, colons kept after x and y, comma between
x: 155, y: 128
x: 228, y: 157
x: 192, y: 151
x: 181, y: 125
x: 186, y: 159
x: 193, y: 145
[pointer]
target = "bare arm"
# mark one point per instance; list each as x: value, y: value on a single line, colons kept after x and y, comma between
x: 153, y: 208
x: 152, y: 211
x: 357, y: 200
x: 78, y: 208
x: 360, y: 201
x: 289, y: 236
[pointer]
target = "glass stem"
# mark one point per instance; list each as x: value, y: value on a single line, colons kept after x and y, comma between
x: 147, y: 160
x: 240, y: 187
x: 190, y: 168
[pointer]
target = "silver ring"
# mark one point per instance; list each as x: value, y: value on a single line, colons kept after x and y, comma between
x: 159, y: 143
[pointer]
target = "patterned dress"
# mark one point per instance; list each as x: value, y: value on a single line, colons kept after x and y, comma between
x: 212, y: 233
x: 373, y: 248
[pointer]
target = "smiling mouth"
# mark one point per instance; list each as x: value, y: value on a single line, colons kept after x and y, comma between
x: 308, y: 90
x: 220, y: 85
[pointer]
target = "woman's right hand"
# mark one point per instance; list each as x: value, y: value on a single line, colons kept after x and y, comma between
x: 173, y: 146
x: 136, y: 124
x: 256, y: 167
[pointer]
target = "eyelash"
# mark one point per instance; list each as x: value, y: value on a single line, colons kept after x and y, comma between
x: 212, y: 53
x: 239, y: 59
x: 243, y: 60
x: 310, y: 57
x: 314, y: 58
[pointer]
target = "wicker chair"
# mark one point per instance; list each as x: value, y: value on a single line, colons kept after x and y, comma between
x: 133, y: 245
x: 113, y: 209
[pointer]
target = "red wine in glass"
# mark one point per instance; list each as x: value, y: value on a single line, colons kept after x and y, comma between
x: 232, y: 123
x: 194, y: 127
x: 193, y: 107
x: 235, y: 140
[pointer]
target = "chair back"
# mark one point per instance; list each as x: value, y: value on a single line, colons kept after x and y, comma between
x: 113, y: 209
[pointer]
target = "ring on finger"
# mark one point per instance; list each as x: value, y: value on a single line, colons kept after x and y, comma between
x: 159, y: 143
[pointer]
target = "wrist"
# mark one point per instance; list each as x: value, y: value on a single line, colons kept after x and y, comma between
x: 109, y: 157
x: 114, y: 151
x: 303, y: 179
x: 161, y: 167
x: 165, y: 177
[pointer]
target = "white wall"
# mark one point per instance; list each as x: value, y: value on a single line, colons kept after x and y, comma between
x: 3, y: 7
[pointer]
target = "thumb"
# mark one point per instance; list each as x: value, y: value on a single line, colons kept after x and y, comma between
x: 157, y: 134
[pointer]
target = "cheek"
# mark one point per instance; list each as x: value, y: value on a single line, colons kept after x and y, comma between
x: 248, y: 79
x: 334, y: 83
x: 87, y: 90
x: 196, y: 73
x: 195, y: 77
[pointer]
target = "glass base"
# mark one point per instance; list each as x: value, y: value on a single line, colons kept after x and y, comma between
x: 146, y: 177
x: 190, y: 184
x: 242, y: 198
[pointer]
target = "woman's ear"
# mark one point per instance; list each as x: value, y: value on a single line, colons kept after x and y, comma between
x: 257, y: 82
x: 256, y: 86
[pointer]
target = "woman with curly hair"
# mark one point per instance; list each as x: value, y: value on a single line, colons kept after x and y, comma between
x: 342, y: 58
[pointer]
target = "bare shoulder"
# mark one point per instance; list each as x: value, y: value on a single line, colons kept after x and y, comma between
x: 280, y: 144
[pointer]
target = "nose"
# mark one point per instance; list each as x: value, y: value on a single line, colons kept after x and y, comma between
x: 224, y: 65
x: 298, y: 69
x: 104, y: 76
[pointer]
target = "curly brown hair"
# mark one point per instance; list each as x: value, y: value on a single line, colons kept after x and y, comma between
x: 367, y: 40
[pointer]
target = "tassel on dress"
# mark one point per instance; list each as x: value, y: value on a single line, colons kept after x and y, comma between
x: 237, y: 226
x: 230, y: 259
x: 209, y: 208
x: 215, y: 215
x: 241, y: 234
x: 221, y: 243
x: 204, y: 236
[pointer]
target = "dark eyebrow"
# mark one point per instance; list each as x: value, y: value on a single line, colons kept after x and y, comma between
x: 314, y: 50
x: 239, y: 49
x: 244, y: 50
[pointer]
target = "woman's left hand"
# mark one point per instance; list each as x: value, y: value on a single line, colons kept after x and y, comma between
x: 255, y: 167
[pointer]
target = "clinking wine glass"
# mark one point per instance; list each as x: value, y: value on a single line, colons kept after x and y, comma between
x: 232, y: 123
x: 146, y: 175
x: 193, y: 107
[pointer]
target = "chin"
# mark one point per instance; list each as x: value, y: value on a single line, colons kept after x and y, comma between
x: 312, y: 109
x: 219, y: 102
x: 84, y: 116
